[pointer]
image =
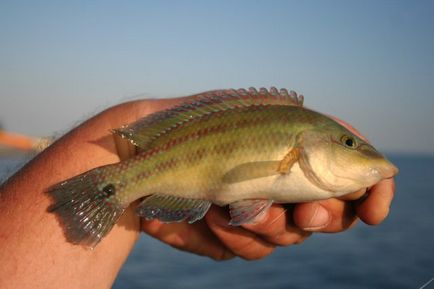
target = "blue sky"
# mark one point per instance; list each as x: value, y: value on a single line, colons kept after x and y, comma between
x: 368, y: 62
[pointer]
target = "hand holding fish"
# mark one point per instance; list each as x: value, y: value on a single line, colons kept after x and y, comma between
x: 277, y: 227
x: 32, y: 240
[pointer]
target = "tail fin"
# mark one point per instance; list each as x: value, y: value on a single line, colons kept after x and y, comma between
x: 87, y: 207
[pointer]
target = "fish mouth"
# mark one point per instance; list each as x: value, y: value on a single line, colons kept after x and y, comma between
x: 388, y: 170
x: 384, y: 168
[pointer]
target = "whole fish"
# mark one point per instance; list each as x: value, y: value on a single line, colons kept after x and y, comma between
x: 242, y: 148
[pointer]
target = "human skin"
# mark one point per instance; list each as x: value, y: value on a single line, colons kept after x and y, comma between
x: 35, y: 254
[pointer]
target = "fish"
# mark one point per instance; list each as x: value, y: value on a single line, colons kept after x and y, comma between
x: 245, y: 149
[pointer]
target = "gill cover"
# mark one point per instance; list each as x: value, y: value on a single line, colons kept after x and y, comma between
x: 336, y: 160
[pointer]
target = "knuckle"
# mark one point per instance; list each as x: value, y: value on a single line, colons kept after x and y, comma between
x: 288, y: 238
x: 224, y: 255
x: 302, y: 239
x: 252, y: 256
x: 254, y: 250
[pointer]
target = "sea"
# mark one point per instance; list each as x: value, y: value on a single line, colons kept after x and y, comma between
x: 399, y: 253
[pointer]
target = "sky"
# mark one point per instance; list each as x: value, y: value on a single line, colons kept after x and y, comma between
x: 370, y: 63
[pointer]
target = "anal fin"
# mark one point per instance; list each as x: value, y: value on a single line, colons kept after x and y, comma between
x: 169, y: 209
x: 247, y: 211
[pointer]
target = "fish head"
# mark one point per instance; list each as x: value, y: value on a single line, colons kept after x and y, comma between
x: 337, y: 160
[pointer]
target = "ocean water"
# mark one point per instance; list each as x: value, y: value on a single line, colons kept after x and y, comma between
x: 396, y: 254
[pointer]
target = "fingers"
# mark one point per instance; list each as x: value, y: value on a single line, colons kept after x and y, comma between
x: 195, y: 238
x: 241, y: 242
x: 333, y: 215
x: 328, y: 216
x: 375, y: 207
x: 254, y: 241
x: 275, y: 228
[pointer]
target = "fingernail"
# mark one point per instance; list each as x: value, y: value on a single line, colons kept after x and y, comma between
x: 319, y: 220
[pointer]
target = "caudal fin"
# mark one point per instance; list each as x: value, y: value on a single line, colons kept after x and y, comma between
x: 87, y: 207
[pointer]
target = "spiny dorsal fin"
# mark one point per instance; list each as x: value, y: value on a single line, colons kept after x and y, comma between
x: 149, y: 128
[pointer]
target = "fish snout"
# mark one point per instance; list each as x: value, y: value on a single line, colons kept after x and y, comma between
x: 387, y: 170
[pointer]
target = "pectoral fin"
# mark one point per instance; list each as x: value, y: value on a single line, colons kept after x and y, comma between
x: 288, y: 161
x: 249, y: 171
x: 172, y: 209
x: 247, y: 211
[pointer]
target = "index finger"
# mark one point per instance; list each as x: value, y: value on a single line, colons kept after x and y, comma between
x: 375, y: 207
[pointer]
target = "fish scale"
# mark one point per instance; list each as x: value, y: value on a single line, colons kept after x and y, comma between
x: 251, y: 141
x: 257, y: 134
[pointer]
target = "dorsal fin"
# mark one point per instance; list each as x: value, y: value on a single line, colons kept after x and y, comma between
x: 147, y: 129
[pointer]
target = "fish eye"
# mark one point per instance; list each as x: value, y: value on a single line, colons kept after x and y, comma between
x: 349, y: 142
x: 109, y: 190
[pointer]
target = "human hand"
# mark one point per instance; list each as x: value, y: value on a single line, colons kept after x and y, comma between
x: 281, y: 226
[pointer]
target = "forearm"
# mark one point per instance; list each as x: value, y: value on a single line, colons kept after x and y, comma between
x: 34, y: 252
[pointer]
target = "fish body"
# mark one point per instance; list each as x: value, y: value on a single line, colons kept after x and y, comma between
x: 244, y: 148
x: 203, y: 158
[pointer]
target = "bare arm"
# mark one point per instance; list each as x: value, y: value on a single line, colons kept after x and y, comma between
x: 34, y: 252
